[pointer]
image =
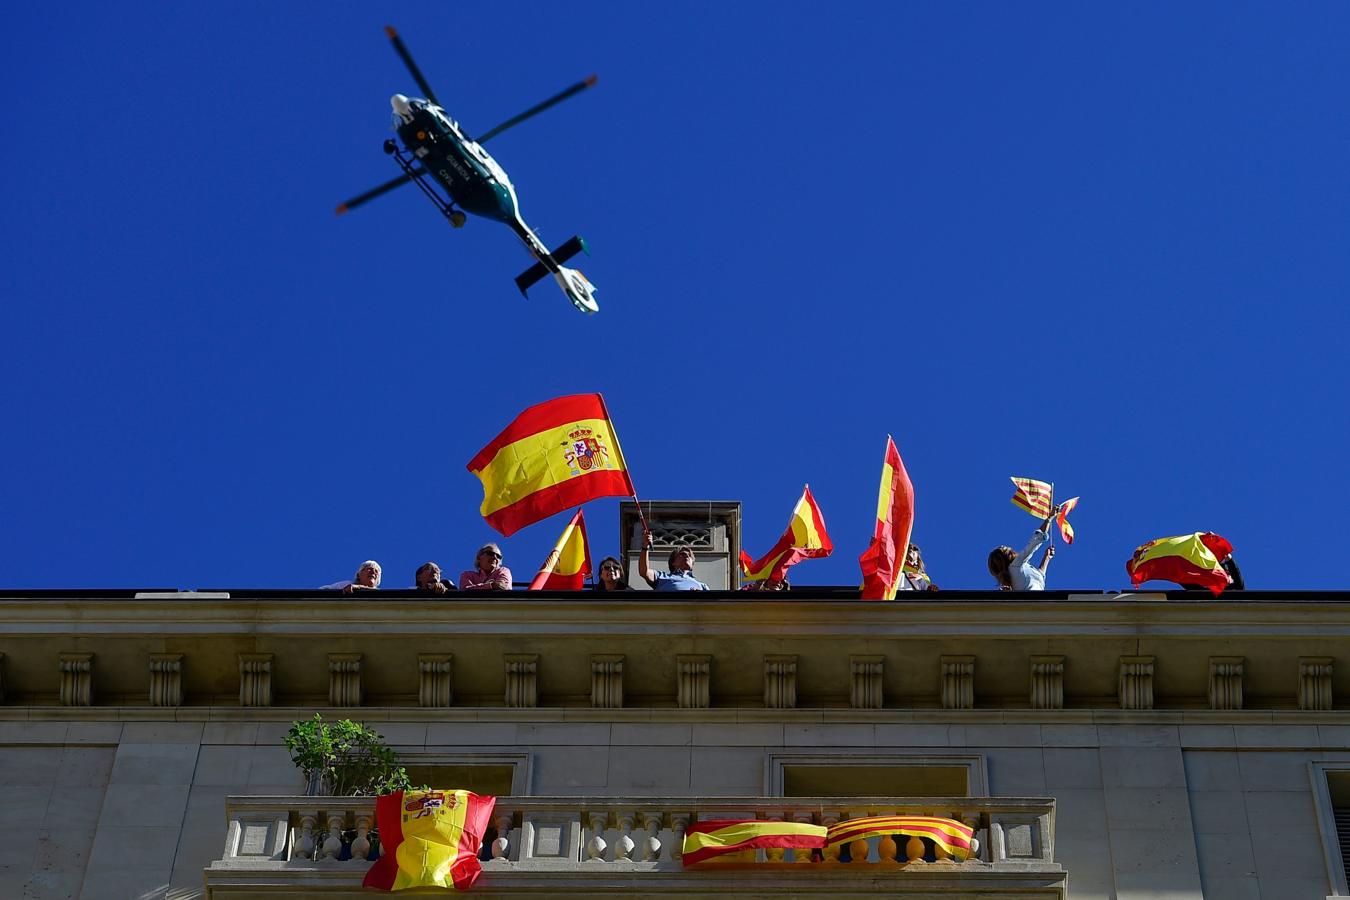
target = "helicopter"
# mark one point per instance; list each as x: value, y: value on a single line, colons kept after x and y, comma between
x: 437, y: 151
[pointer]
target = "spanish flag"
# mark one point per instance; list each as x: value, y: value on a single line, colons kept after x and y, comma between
x: 805, y: 538
x: 553, y: 457
x: 1033, y: 496
x: 705, y: 840
x: 1062, y: 517
x: 949, y: 834
x: 882, y: 560
x: 1185, y: 559
x: 569, y: 563
x: 429, y: 839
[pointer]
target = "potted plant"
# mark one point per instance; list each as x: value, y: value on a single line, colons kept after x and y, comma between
x: 344, y: 759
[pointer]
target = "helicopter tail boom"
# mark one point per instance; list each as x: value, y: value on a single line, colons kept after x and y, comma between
x: 538, y: 272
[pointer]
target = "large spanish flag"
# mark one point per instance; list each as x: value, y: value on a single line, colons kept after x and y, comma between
x: 882, y: 560
x: 805, y: 538
x: 1185, y: 559
x: 949, y: 834
x: 705, y: 840
x: 569, y: 562
x: 553, y: 457
x: 429, y: 839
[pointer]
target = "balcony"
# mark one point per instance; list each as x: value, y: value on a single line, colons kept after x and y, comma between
x: 320, y: 847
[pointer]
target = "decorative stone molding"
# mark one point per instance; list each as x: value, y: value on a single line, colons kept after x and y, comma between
x: 1314, y: 682
x: 166, y: 679
x: 435, y: 679
x: 1135, y: 686
x: 694, y: 675
x: 780, y: 681
x: 1047, y: 682
x: 866, y: 681
x: 607, y: 681
x: 77, y: 680
x: 344, y: 679
x: 1225, y: 682
x: 522, y: 679
x: 255, y: 679
x: 958, y: 682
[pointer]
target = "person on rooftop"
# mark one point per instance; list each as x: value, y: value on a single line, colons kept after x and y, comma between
x: 488, y: 573
x: 1013, y: 571
x: 681, y: 574
x: 914, y: 577
x: 427, y: 580
x: 611, y: 577
x: 367, y: 578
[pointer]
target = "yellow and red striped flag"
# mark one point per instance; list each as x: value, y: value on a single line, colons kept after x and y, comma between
x: 1033, y: 496
x: 1185, y: 559
x: 569, y: 562
x: 883, y: 559
x: 429, y: 839
x: 705, y: 840
x: 949, y: 834
x: 1062, y: 517
x: 552, y: 457
x: 805, y: 538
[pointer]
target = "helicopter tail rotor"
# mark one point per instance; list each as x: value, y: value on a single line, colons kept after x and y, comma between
x: 538, y: 272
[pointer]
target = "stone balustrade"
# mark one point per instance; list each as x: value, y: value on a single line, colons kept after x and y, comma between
x: 301, y: 844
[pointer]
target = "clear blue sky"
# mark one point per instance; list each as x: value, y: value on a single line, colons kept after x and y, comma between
x: 1100, y: 245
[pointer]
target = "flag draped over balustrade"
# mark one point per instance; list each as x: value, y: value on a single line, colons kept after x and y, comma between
x: 881, y: 562
x: 569, y: 563
x: 1185, y: 559
x: 706, y: 840
x: 805, y: 538
x: 949, y: 834
x: 552, y: 457
x: 429, y: 839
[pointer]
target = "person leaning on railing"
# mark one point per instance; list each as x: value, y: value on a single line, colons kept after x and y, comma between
x: 427, y: 580
x: 367, y: 578
x: 611, y: 577
x: 914, y: 576
x: 488, y: 574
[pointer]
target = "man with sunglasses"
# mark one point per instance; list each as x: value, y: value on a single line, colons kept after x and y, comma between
x: 489, y: 574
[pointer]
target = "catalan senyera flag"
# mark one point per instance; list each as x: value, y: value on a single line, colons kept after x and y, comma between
x: 949, y: 834
x: 429, y: 839
x: 569, y: 563
x: 553, y: 457
x: 705, y: 840
x: 882, y: 560
x: 1062, y: 517
x: 1185, y: 559
x: 805, y: 538
x: 1033, y: 496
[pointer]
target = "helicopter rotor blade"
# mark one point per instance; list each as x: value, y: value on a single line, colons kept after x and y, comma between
x: 536, y: 110
x: 412, y: 66
x: 375, y: 192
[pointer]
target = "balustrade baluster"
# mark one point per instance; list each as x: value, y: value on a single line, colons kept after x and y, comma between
x: 801, y: 855
x: 502, y: 844
x: 623, y: 847
x: 332, y: 844
x: 678, y: 823
x: 914, y: 850
x: 361, y: 844
x: 595, y: 847
x: 830, y: 854
x: 651, y: 847
x: 886, y: 850
x: 774, y: 854
x: 302, y: 840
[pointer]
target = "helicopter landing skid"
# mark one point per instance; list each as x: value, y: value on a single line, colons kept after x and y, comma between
x: 456, y: 217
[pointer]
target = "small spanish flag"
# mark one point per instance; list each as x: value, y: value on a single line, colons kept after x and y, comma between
x: 1033, y: 496
x: 805, y: 538
x: 705, y: 840
x: 1062, y: 517
x: 569, y: 562
x: 883, y: 559
x: 552, y: 457
x: 949, y: 834
x: 1185, y: 559
x: 429, y: 839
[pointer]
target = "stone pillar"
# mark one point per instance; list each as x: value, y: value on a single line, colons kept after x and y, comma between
x: 780, y: 681
x: 522, y: 682
x: 1135, y: 686
x: 435, y: 679
x: 607, y: 681
x: 694, y: 675
x: 1225, y: 682
x: 166, y: 679
x: 344, y: 679
x: 77, y: 679
x: 255, y: 679
x: 1047, y: 682
x: 958, y: 682
x: 866, y: 681
x: 1314, y: 682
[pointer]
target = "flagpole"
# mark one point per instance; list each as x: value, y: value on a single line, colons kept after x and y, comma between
x: 614, y: 436
x: 1050, y: 526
